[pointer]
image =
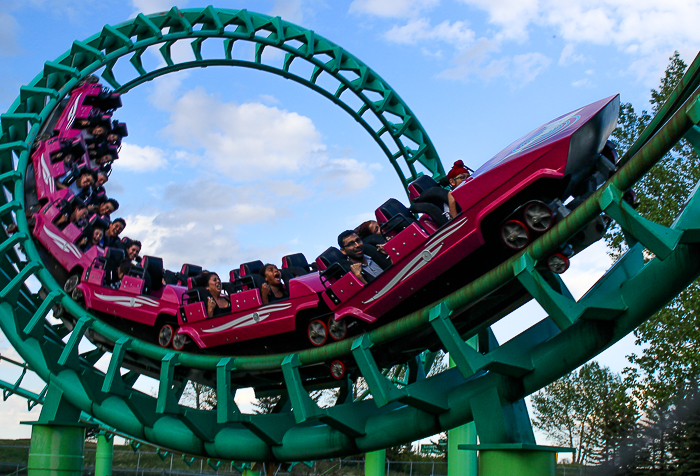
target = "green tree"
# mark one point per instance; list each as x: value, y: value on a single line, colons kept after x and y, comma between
x: 663, y: 191
x: 669, y: 365
x: 665, y: 374
x: 199, y: 396
x: 588, y: 409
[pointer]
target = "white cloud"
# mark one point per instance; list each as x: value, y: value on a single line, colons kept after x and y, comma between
x: 420, y: 30
x: 209, y: 213
x: 582, y: 83
x: 246, y: 141
x: 154, y: 6
x: 513, y: 16
x: 528, y: 66
x: 394, y: 8
x: 269, y: 99
x: 165, y: 89
x: 171, y: 238
x: 8, y: 35
x: 647, y: 30
x: 577, y: 24
x: 568, y: 56
x: 141, y: 159
x: 476, y: 61
x: 345, y: 176
x: 288, y: 10
x: 586, y: 269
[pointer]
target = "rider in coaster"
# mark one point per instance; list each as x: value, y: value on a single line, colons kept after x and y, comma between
x: 217, y: 304
x: 98, y: 190
x: 458, y: 174
x: 111, y: 238
x: 104, y: 208
x: 78, y: 215
x: 361, y: 265
x: 82, y: 186
x: 273, y: 288
x: 441, y: 198
x: 122, y: 270
x: 95, y: 235
x: 132, y: 249
x: 370, y: 232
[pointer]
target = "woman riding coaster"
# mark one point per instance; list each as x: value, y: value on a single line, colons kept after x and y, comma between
x: 273, y: 289
x: 217, y: 304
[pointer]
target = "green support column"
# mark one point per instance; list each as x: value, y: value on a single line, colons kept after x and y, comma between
x: 58, y: 439
x: 247, y: 472
x: 522, y: 463
x: 520, y: 459
x: 375, y: 464
x: 460, y: 462
x: 103, y: 454
x: 56, y: 450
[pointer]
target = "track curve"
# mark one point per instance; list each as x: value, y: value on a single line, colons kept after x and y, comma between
x: 574, y: 332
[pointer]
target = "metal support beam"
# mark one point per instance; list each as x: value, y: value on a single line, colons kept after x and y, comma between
x: 103, y: 454
x: 375, y: 463
x: 459, y: 462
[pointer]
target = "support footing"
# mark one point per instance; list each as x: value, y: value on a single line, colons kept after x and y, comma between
x: 517, y: 458
x: 56, y: 450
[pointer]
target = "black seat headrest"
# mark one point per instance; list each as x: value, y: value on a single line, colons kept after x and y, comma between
x: 95, y: 220
x: 393, y: 207
x: 170, y: 276
x: 195, y: 295
x: 420, y: 185
x: 115, y: 255
x: 332, y: 255
x: 297, y: 259
x: 190, y: 270
x: 251, y: 268
x: 154, y: 268
x: 393, y: 217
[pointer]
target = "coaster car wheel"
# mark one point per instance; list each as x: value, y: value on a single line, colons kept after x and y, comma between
x: 338, y: 370
x: 77, y: 295
x: 558, y: 263
x: 180, y: 341
x: 337, y: 329
x: 515, y: 235
x: 538, y: 217
x: 165, y: 335
x: 317, y: 332
x: 71, y: 284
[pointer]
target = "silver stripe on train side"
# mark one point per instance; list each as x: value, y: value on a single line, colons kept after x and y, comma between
x: 63, y: 244
x: 432, y: 248
x: 128, y: 301
x: 252, y: 318
x: 72, y: 111
x: 46, y: 174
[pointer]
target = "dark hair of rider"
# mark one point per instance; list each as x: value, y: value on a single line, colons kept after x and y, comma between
x: 364, y: 230
x: 343, y: 235
x: 114, y: 203
x: 124, y: 266
x: 263, y: 270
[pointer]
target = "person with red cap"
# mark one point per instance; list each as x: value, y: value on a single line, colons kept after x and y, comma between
x: 458, y: 174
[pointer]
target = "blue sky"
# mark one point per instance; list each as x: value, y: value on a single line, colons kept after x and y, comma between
x: 225, y: 165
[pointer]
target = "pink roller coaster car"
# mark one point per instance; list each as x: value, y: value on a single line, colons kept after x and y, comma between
x: 513, y: 198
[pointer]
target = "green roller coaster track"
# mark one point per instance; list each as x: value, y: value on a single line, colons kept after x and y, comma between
x: 484, y: 386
